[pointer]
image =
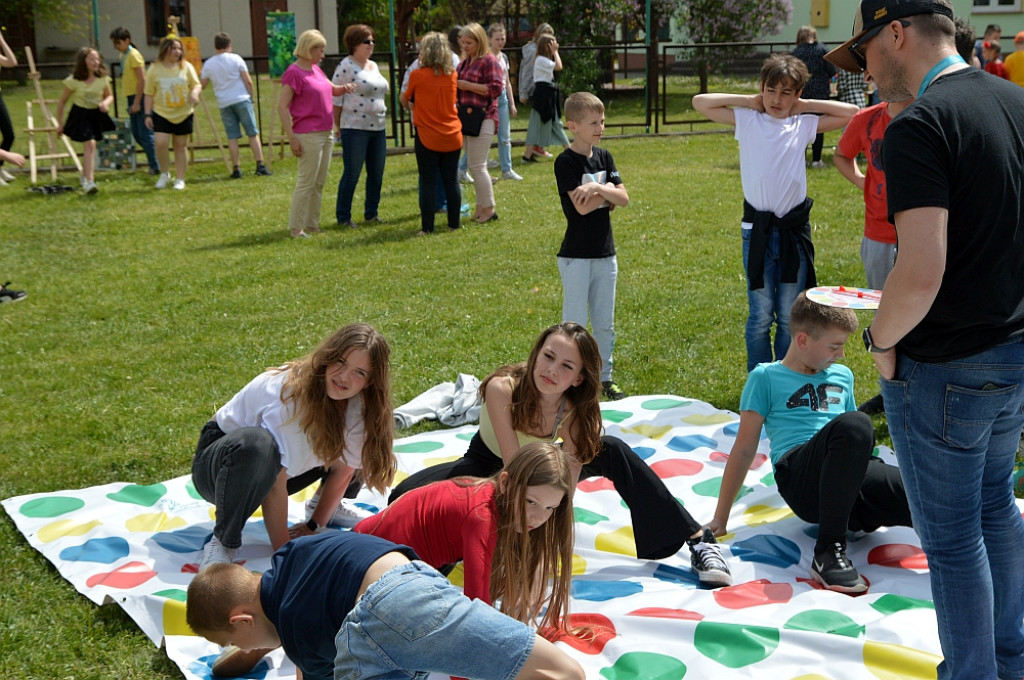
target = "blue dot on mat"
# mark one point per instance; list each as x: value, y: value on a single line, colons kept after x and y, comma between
x: 671, y: 574
x: 644, y: 452
x: 202, y: 668
x: 600, y: 591
x: 189, y: 539
x: 773, y: 550
x: 102, y: 550
x: 691, y: 442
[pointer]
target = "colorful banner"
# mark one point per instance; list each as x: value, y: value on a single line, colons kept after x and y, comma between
x: 280, y: 41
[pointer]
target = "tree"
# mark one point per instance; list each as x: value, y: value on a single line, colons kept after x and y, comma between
x: 721, y: 21
x: 68, y: 16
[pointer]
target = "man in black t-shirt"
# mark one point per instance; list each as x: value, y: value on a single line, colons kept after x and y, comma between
x: 947, y: 340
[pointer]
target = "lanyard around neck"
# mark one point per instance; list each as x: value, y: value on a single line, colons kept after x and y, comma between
x: 937, y: 69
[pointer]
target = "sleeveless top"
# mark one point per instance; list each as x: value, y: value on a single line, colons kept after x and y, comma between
x: 491, y: 439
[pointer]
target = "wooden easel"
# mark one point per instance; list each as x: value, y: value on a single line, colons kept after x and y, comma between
x: 49, y: 128
x: 275, y: 93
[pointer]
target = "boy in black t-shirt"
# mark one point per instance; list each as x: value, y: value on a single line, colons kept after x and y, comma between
x: 589, y: 187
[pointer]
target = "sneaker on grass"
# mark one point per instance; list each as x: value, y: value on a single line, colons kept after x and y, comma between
x: 834, y: 571
x: 347, y: 514
x: 613, y: 391
x: 11, y: 295
x: 707, y: 561
x: 215, y: 553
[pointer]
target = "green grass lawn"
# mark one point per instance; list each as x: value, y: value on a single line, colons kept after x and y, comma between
x: 148, y: 309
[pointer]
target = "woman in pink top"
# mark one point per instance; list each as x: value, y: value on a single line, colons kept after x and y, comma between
x: 306, y: 110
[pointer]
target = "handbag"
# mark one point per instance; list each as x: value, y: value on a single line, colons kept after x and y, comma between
x: 472, y: 118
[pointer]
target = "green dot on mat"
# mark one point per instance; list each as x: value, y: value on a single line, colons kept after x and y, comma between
x: 708, y: 488
x: 52, y: 506
x: 615, y: 416
x: 465, y: 436
x: 645, y: 666
x: 145, y: 496
x: 735, y: 646
x: 890, y: 604
x: 418, y: 447
x: 587, y: 516
x: 768, y: 479
x: 172, y: 594
x: 190, y: 487
x: 824, y: 621
x: 661, y: 404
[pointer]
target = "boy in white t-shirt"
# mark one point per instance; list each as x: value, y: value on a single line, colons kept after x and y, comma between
x: 773, y: 129
x: 233, y: 89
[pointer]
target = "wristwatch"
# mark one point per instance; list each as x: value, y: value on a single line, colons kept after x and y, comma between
x: 870, y: 345
x: 312, y: 525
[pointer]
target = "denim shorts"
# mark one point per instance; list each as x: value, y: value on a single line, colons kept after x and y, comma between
x: 413, y: 622
x: 239, y: 115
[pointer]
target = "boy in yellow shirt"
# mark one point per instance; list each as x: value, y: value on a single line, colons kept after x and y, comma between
x: 133, y: 82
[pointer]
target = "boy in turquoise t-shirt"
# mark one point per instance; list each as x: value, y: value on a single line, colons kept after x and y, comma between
x: 821, y: 446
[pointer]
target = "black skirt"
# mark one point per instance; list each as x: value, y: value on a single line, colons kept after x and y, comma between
x: 85, y: 124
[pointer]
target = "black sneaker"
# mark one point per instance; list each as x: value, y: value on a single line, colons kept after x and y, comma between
x: 236, y: 173
x: 873, y: 406
x: 613, y: 391
x: 11, y: 295
x: 263, y: 171
x: 707, y: 561
x: 833, y: 570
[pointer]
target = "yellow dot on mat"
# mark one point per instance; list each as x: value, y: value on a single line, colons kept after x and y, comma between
x: 620, y: 541
x: 174, y: 618
x: 765, y: 514
x: 649, y: 431
x: 888, y: 661
x: 65, y: 527
x: 153, y: 522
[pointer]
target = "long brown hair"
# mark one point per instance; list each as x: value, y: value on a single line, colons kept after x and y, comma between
x: 524, y: 560
x: 81, y: 71
x: 323, y: 418
x: 585, y: 422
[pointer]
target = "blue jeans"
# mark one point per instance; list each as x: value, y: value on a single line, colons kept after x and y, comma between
x: 770, y: 304
x: 143, y: 135
x: 412, y: 622
x: 588, y: 290
x: 955, y: 427
x: 358, y: 148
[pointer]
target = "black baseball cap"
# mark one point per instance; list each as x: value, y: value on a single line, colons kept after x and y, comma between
x: 872, y: 15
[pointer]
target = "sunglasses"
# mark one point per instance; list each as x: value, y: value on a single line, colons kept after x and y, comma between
x: 369, y: 41
x: 857, y: 47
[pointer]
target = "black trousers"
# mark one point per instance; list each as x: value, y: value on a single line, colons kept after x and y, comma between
x: 834, y: 481
x: 661, y: 524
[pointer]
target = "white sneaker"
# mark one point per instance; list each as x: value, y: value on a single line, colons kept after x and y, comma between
x: 3, y: 182
x: 511, y: 174
x: 215, y: 553
x: 347, y: 514
x: 82, y: 180
x: 179, y: 184
x: 465, y: 177
x: 6, y: 176
x: 90, y: 187
x: 491, y: 164
x: 164, y: 179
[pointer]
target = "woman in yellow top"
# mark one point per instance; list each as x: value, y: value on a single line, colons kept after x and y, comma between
x: 88, y: 88
x: 172, y: 91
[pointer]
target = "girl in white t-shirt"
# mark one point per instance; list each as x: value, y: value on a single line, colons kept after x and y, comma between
x: 322, y: 416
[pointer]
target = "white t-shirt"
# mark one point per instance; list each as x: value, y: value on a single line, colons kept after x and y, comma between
x: 225, y: 73
x: 543, y: 70
x: 259, y: 404
x: 772, y: 158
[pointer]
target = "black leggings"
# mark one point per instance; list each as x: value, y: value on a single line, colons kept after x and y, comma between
x: 661, y: 524
x: 816, y: 146
x: 6, y: 129
x: 834, y: 481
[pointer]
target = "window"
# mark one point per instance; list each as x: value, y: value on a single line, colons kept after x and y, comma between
x: 157, y: 12
x: 989, y: 6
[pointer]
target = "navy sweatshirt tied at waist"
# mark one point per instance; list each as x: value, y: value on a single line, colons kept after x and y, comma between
x: 795, y: 230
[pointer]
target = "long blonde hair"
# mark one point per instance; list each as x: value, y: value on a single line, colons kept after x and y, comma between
x: 524, y: 560
x: 586, y: 425
x: 323, y: 418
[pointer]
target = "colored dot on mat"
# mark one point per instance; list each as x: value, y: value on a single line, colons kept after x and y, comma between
x: 664, y: 613
x: 899, y: 555
x: 648, y: 430
x: 614, y: 416
x: 157, y: 521
x: 731, y: 429
x: 888, y: 661
x: 676, y: 467
x: 173, y: 594
x: 145, y: 496
x: 418, y: 447
x: 465, y: 436
x: 190, y: 488
x: 588, y: 517
x: 174, y: 618
x: 890, y: 604
x: 645, y: 666
x: 721, y: 457
x: 429, y: 462
x: 189, y: 539
x: 124, y: 577
x: 704, y: 419
x: 709, y: 488
x: 777, y: 551
x: 579, y: 565
x: 644, y: 452
x: 620, y: 541
x: 768, y: 479
x: 662, y: 404
x: 51, y: 506
x: 757, y: 515
x: 595, y: 484
x: 601, y: 631
x: 825, y: 621
x: 65, y: 527
x: 202, y: 669
x: 690, y: 442
x: 102, y: 550
x: 753, y: 594
x: 670, y: 574
x: 735, y: 646
x: 601, y: 591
